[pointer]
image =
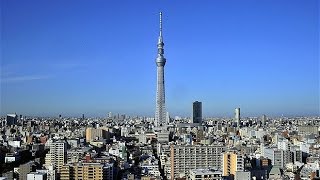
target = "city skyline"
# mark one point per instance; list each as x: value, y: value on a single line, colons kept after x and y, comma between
x: 98, y: 58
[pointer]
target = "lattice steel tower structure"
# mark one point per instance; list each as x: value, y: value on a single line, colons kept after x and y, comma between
x: 160, y: 115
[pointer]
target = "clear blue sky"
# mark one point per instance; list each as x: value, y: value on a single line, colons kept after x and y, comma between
x: 92, y: 57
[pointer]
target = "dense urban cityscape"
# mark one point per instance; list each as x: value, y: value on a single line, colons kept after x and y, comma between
x: 123, y: 147
x: 198, y: 147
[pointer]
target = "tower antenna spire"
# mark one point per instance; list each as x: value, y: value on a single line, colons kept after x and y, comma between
x: 160, y: 24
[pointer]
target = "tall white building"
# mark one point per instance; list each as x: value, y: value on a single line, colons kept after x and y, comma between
x: 57, y: 155
x: 237, y: 116
x: 167, y: 118
x: 284, y: 144
x: 160, y: 115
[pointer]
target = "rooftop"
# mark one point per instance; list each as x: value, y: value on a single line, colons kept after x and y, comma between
x: 204, y: 172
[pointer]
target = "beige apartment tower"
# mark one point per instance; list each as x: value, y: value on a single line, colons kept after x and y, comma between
x: 57, y: 155
x: 232, y: 162
x: 96, y: 133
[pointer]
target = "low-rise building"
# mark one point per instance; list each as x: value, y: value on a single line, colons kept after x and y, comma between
x: 204, y: 174
x: 36, y: 176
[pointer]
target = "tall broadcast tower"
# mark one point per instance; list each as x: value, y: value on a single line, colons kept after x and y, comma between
x: 160, y: 116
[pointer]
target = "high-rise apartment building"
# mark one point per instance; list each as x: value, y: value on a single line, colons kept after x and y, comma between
x: 57, y: 155
x: 184, y: 158
x: 284, y: 144
x: 96, y: 134
x: 160, y: 115
x: 167, y: 118
x: 110, y: 115
x: 232, y: 162
x: 277, y: 156
x: 66, y: 173
x: 87, y: 171
x: 197, y: 112
x: 263, y: 119
x: 237, y: 116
